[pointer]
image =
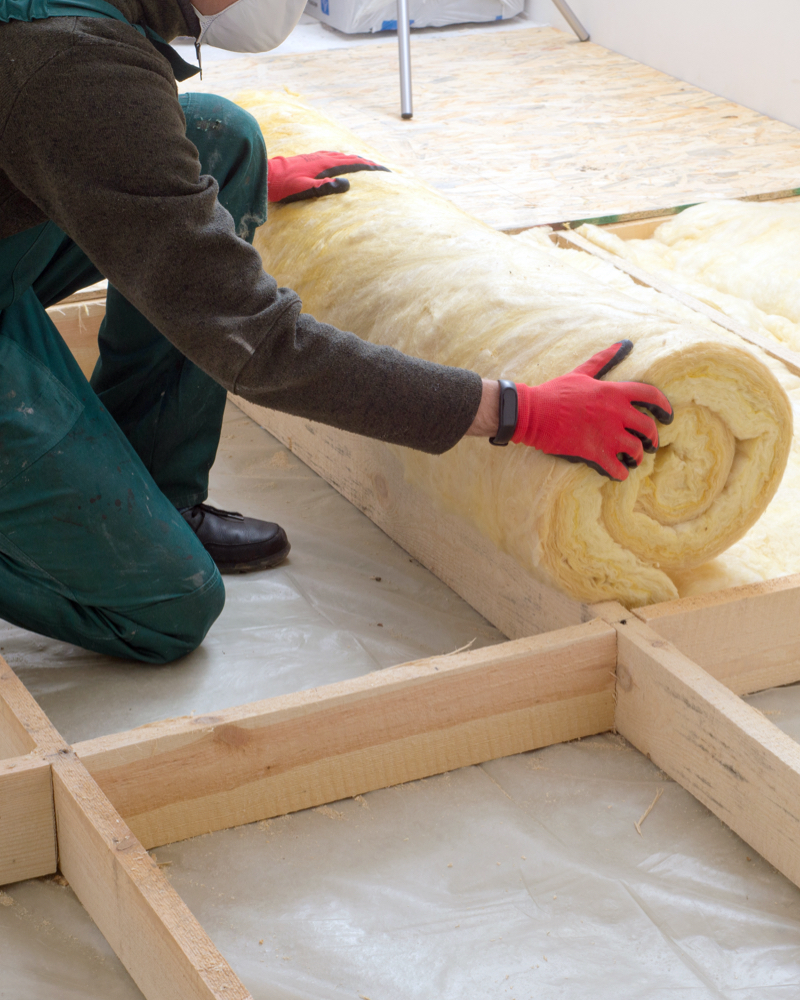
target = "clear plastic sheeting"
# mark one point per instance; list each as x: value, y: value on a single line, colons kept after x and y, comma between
x: 347, y: 601
x: 522, y: 878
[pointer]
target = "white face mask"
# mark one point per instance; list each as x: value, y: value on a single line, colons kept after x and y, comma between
x: 250, y: 25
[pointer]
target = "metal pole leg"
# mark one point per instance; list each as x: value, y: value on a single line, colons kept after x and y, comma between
x: 404, y: 43
x: 569, y: 16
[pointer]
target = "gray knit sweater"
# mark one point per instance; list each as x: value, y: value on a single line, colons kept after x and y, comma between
x: 92, y: 137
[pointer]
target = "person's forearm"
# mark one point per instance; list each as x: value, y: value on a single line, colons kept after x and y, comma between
x: 487, y: 417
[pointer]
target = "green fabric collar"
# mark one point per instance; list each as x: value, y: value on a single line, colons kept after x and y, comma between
x: 35, y: 10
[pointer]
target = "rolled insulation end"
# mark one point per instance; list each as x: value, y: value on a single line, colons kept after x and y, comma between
x: 396, y: 263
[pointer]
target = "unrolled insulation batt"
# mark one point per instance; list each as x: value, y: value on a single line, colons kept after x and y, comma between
x: 740, y: 257
x: 396, y: 263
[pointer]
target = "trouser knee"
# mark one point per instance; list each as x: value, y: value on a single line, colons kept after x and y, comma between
x: 231, y: 148
x: 163, y: 632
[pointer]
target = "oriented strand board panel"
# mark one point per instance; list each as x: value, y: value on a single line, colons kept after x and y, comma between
x: 526, y: 127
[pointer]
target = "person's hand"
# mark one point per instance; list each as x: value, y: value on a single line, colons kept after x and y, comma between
x: 296, y: 178
x: 582, y: 419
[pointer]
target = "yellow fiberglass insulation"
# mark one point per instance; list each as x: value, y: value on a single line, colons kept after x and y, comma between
x: 740, y: 257
x: 396, y: 263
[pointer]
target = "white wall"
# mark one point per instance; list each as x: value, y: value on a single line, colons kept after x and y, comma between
x: 745, y: 50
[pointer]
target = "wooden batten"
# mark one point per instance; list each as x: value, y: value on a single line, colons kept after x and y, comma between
x: 723, y: 751
x: 747, y: 637
x: 23, y: 725
x: 370, y: 475
x: 15, y: 740
x: 27, y: 819
x: 49, y: 803
x: 145, y: 921
x: 189, y: 776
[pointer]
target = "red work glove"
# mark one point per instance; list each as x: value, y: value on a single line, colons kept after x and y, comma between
x: 579, y: 418
x: 295, y: 178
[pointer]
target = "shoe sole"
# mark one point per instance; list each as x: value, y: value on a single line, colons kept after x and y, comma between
x: 250, y: 567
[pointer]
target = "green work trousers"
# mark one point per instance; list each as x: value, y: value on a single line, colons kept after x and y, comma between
x: 92, y: 548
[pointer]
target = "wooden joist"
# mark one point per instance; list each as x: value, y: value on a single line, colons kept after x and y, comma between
x: 723, y: 751
x: 23, y: 725
x: 27, y: 819
x: 189, y: 776
x: 747, y: 637
x: 370, y: 475
x: 145, y: 921
x: 148, y: 925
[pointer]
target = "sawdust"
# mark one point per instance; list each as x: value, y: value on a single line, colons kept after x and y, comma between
x: 330, y: 812
x: 280, y: 460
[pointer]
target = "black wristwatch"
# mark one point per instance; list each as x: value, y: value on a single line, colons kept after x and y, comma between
x: 508, y: 413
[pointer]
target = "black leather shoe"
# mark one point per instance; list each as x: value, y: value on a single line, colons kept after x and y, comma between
x: 237, y: 544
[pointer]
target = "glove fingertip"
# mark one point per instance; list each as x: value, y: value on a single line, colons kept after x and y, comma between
x: 622, y: 473
x: 349, y: 168
x: 664, y: 417
x: 624, y: 348
x: 657, y: 412
x: 337, y: 185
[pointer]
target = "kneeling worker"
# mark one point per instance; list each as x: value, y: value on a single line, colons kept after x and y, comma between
x: 105, y: 172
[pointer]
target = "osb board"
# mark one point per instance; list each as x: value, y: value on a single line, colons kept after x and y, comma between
x: 526, y: 127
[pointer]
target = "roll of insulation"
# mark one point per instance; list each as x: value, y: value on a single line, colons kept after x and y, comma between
x: 396, y: 263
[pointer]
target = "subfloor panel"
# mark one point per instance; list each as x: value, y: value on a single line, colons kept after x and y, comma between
x: 524, y: 127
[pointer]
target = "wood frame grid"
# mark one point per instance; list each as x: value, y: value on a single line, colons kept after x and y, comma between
x: 667, y: 677
x: 104, y: 801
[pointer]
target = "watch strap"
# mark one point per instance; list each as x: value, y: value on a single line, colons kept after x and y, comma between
x: 507, y: 422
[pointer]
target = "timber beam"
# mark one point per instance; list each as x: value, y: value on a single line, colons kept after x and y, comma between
x: 100, y: 803
x: 185, y: 777
x: 166, y: 951
x: 722, y: 750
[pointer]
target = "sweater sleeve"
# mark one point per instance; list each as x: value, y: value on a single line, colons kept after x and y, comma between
x: 95, y: 138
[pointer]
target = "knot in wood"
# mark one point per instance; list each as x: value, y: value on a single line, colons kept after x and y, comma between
x: 624, y: 679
